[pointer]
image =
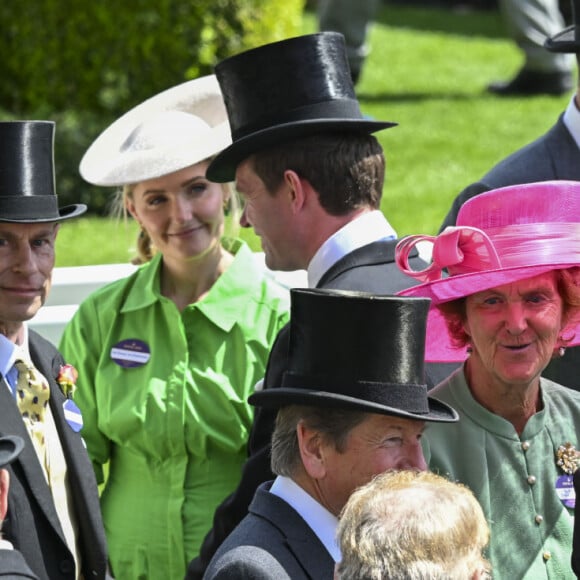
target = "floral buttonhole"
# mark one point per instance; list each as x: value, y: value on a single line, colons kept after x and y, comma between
x: 67, y: 378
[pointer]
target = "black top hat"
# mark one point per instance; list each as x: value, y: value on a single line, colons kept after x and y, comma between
x: 27, y: 190
x: 357, y: 351
x: 10, y: 448
x: 284, y: 90
x: 568, y: 40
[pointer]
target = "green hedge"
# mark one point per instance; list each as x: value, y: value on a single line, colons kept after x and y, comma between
x: 83, y: 64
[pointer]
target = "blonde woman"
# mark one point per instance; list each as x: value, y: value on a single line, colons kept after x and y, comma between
x: 168, y: 356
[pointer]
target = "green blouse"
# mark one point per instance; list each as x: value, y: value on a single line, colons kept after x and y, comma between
x: 513, y: 477
x: 174, y: 426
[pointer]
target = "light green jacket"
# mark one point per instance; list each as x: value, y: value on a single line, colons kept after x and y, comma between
x: 513, y: 477
x: 174, y: 429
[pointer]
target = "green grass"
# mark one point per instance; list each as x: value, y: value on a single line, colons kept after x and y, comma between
x: 427, y: 71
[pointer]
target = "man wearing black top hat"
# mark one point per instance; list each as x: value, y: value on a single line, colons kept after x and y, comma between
x: 12, y: 564
x: 351, y: 404
x: 311, y: 176
x: 554, y: 155
x: 53, y: 516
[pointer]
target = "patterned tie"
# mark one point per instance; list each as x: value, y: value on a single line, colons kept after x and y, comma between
x: 32, y: 393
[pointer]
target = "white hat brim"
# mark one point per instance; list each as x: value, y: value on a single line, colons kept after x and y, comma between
x: 190, y: 120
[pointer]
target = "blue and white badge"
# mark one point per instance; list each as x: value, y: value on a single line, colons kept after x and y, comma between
x: 73, y: 416
x: 565, y: 490
x: 130, y: 353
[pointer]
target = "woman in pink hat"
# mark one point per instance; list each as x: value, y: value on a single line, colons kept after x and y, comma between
x: 511, y: 302
x: 168, y: 356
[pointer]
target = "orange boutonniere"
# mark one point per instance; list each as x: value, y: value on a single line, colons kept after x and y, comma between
x: 67, y: 378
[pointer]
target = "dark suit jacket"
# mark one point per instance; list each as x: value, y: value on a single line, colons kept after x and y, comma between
x: 13, y: 566
x: 554, y: 155
x: 272, y: 541
x: 32, y: 523
x: 371, y: 268
x: 576, y: 538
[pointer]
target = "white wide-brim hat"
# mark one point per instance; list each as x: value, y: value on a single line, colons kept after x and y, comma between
x: 176, y: 128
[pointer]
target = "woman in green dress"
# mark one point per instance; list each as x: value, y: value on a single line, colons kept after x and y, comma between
x: 168, y: 356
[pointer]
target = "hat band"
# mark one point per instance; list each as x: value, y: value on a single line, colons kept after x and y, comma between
x: 338, y: 109
x: 22, y: 207
x: 468, y: 250
x: 411, y: 398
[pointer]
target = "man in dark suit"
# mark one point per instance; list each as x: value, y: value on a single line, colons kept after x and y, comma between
x: 12, y: 564
x: 352, y: 403
x: 311, y: 176
x: 53, y: 516
x: 554, y: 155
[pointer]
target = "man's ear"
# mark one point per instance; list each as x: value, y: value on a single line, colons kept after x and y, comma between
x: 4, y: 484
x: 297, y: 189
x: 312, y: 450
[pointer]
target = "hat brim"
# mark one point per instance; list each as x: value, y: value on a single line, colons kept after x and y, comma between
x: 439, y: 347
x: 135, y: 166
x: 566, y: 41
x: 281, y: 397
x: 10, y: 448
x: 107, y: 162
x: 64, y: 213
x: 223, y: 168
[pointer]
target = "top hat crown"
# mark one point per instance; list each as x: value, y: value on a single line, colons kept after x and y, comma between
x: 357, y: 351
x: 285, y: 90
x: 27, y: 188
x: 568, y: 40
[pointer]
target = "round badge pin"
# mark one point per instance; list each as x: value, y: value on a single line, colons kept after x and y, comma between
x: 131, y: 353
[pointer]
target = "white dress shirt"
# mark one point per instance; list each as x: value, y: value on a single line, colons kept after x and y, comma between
x: 367, y: 228
x: 318, y: 518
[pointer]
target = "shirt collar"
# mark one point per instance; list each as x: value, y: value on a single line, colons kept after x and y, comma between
x: 8, y: 351
x: 239, y: 284
x: 572, y: 120
x: 318, y: 518
x: 368, y: 227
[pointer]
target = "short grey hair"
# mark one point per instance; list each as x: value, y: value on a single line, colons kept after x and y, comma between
x: 333, y: 424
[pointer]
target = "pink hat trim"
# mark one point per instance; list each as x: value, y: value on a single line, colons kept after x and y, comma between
x: 466, y: 250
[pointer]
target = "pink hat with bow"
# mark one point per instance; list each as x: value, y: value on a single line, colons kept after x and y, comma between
x: 501, y: 236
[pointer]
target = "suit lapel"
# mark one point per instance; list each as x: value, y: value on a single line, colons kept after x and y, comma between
x: 301, y: 541
x: 381, y: 252
x: 564, y: 152
x: 12, y: 424
x: 80, y: 471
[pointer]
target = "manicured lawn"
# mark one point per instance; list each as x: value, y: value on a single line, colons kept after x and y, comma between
x: 427, y: 71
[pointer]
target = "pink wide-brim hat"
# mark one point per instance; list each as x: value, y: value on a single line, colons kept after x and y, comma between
x: 502, y: 236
